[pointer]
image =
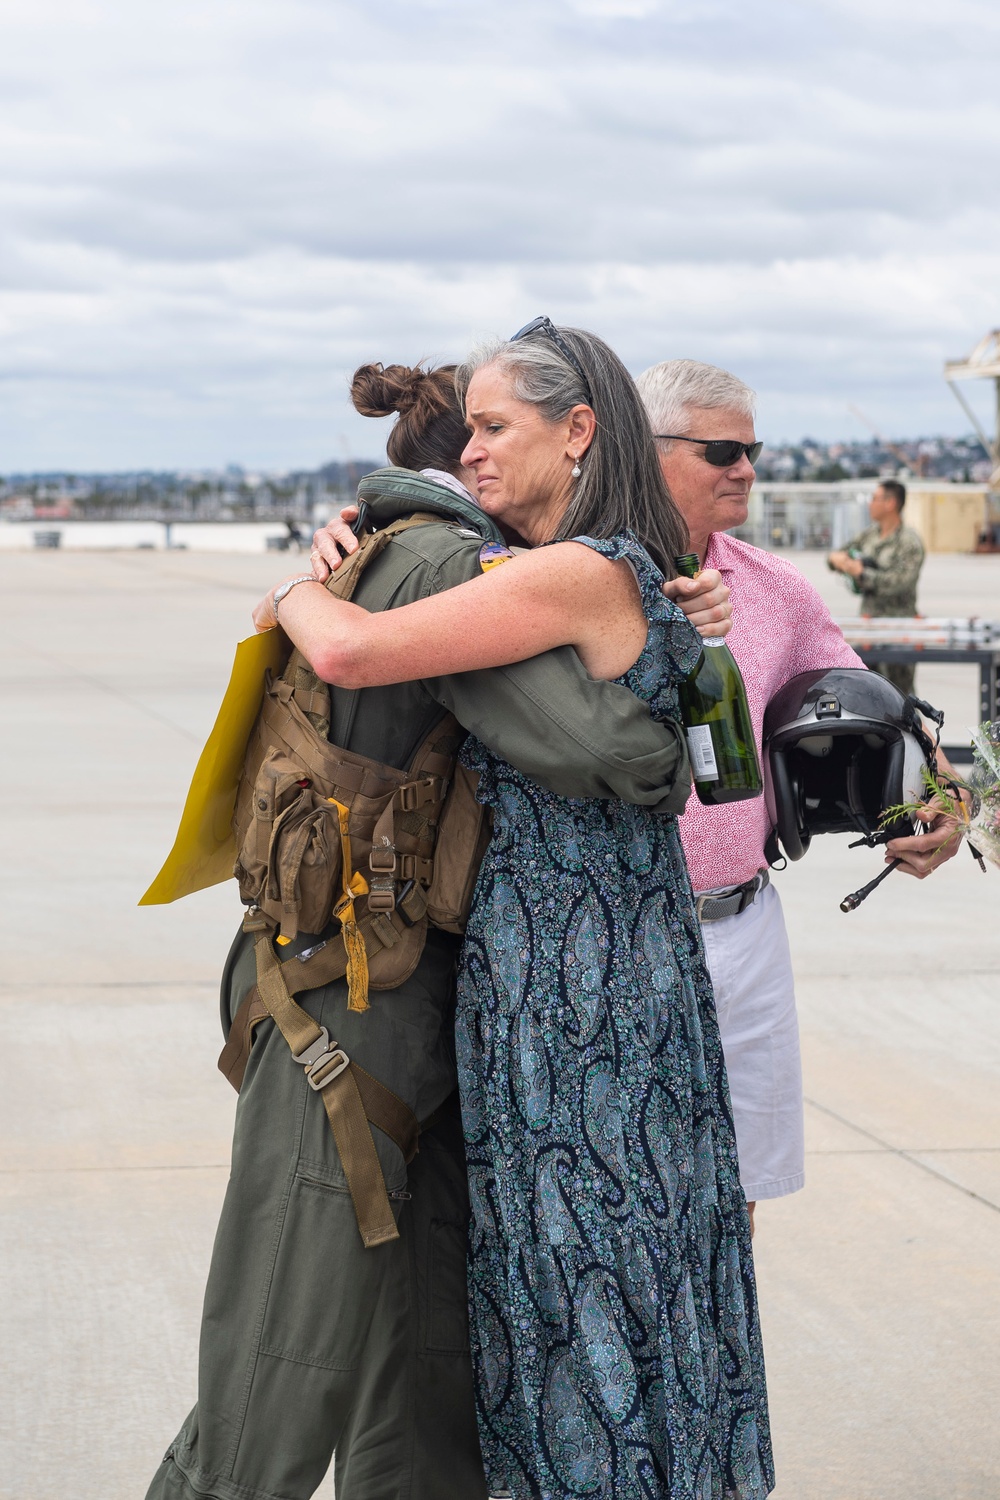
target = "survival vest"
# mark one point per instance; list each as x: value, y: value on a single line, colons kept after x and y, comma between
x: 356, y: 851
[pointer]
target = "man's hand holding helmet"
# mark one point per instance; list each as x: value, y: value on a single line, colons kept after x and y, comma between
x: 921, y: 854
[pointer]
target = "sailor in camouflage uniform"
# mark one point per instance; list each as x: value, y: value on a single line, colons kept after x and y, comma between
x: 883, y: 563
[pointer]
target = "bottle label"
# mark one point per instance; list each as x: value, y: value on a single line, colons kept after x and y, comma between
x: 702, y: 753
x: 713, y: 640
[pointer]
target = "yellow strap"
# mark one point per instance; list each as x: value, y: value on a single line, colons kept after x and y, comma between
x: 354, y: 884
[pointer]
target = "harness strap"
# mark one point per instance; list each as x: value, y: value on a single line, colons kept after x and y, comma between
x: 382, y: 861
x: 235, y: 1054
x: 359, y: 1159
x: 382, y: 1107
x: 331, y: 1074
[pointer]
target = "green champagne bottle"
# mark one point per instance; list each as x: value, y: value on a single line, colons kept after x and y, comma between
x: 716, y: 717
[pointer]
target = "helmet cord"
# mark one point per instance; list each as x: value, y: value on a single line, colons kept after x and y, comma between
x: 869, y: 839
x: 852, y: 902
x: 936, y: 717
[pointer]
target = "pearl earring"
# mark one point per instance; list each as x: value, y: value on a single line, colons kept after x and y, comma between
x: 576, y: 471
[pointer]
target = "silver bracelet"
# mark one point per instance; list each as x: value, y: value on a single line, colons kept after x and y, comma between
x: 285, y: 588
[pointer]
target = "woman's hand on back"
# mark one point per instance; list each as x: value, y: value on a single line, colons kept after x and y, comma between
x: 333, y: 542
x: 705, y: 601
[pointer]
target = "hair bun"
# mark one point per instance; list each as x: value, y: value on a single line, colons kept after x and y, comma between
x: 430, y: 433
x: 379, y: 390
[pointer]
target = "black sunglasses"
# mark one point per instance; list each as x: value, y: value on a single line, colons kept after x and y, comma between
x: 546, y: 326
x: 720, y: 452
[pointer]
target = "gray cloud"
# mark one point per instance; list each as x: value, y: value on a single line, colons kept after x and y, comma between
x: 209, y: 216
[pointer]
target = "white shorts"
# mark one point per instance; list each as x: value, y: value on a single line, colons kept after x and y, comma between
x: 751, y: 971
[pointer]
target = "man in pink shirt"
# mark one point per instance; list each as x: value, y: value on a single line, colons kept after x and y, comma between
x: 780, y: 627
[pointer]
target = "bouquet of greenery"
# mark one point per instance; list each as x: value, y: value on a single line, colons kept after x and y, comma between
x: 983, y: 830
x: 977, y: 814
x: 971, y: 805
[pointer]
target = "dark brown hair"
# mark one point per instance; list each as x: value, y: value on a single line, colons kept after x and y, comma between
x: 894, y: 490
x: 431, y: 432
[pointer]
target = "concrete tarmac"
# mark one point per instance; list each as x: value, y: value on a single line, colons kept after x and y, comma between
x: 880, y: 1284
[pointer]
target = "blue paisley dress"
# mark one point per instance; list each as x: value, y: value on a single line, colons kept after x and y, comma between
x: 614, y: 1321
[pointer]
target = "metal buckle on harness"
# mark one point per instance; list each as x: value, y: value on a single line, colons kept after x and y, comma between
x: 322, y: 1061
x: 416, y: 794
x: 383, y: 866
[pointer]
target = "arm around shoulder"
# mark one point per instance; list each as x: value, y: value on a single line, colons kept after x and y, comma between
x: 576, y: 736
x: 560, y: 595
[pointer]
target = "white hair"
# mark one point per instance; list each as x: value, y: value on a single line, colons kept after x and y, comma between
x: 669, y: 391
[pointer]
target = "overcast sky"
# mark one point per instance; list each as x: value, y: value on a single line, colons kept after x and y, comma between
x: 211, y: 212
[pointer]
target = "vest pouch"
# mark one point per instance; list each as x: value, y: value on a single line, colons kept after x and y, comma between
x: 464, y: 832
x: 289, y: 863
x: 304, y: 865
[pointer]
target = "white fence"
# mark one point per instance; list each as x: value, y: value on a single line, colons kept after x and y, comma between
x: 780, y: 516
x: 820, y: 516
x: 195, y: 536
x: 949, y: 517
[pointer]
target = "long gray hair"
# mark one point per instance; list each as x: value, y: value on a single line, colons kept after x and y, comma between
x: 621, y: 487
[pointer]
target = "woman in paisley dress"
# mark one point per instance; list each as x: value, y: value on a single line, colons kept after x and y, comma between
x: 615, y: 1334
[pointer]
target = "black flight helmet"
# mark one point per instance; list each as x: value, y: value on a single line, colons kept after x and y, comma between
x: 840, y: 747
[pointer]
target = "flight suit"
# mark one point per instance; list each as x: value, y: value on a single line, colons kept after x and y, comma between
x: 312, y: 1345
x: 888, y: 585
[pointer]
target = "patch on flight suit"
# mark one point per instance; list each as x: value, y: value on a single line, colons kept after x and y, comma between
x: 492, y: 554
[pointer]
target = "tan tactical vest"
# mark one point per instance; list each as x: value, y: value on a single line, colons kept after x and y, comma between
x: 324, y: 833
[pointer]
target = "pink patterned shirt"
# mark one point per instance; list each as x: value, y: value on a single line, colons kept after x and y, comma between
x: 780, y: 627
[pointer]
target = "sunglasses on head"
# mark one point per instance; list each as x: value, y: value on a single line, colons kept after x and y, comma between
x: 549, y: 329
x: 720, y: 452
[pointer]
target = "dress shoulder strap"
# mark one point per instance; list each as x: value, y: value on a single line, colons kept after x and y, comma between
x: 624, y: 547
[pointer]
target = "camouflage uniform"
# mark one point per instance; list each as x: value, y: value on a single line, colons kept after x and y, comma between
x: 888, y: 584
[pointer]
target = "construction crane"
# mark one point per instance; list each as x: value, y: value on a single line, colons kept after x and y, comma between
x: 982, y: 363
x: 921, y: 461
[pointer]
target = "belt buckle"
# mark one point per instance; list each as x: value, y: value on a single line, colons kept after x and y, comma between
x: 748, y: 895
x: 753, y: 888
x: 323, y: 1061
x: 700, y: 902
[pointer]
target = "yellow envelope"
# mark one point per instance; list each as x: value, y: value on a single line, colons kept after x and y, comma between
x: 204, y: 850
